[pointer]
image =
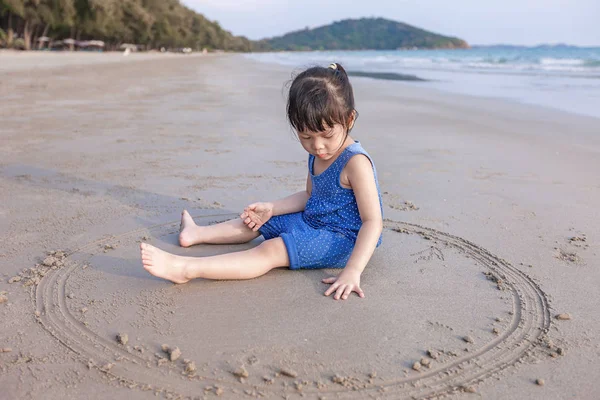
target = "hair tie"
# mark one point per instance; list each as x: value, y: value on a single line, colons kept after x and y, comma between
x: 333, y: 66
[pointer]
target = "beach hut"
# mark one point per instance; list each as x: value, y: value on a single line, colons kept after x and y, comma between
x: 130, y: 46
x: 56, y: 45
x: 91, y: 45
x: 42, y: 42
x: 70, y: 43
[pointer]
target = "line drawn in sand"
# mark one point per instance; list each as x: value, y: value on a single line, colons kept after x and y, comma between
x: 527, y: 330
x: 429, y: 254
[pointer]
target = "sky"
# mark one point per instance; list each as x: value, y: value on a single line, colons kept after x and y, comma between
x: 479, y: 22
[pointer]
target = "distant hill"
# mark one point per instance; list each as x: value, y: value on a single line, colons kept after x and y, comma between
x: 362, y: 34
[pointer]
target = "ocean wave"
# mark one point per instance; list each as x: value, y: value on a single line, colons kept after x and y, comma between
x: 584, y: 63
x: 561, y: 61
x: 592, y: 63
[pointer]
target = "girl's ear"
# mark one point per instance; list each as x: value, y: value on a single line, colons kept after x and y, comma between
x: 352, y: 120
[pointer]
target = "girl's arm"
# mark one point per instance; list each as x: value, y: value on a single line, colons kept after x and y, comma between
x: 362, y: 181
x: 294, y: 203
x: 257, y: 214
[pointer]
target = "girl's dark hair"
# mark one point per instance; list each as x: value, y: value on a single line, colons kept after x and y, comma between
x: 319, y: 98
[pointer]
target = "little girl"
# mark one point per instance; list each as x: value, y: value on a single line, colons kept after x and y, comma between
x: 335, y: 223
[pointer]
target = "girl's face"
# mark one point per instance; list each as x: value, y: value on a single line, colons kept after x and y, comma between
x: 323, y: 145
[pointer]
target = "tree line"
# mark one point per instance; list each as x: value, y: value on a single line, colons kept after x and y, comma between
x: 150, y: 23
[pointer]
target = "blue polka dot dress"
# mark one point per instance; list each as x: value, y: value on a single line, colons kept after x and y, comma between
x: 324, y: 234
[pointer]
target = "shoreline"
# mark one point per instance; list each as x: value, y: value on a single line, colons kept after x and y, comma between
x: 547, y: 80
x: 80, y: 59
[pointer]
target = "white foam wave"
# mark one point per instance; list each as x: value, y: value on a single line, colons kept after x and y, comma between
x: 562, y: 61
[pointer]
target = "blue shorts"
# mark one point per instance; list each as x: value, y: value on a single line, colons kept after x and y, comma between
x: 308, y: 247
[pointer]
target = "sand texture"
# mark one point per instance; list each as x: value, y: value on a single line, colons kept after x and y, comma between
x: 485, y: 286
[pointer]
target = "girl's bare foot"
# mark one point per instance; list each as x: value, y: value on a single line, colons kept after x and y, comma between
x: 162, y: 264
x: 188, y: 235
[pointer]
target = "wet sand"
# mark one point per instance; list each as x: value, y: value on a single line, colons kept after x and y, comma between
x: 491, y: 232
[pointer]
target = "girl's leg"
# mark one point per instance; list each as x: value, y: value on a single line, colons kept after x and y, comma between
x: 228, y: 232
x: 246, y: 264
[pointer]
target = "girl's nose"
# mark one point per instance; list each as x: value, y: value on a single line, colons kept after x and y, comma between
x: 318, y: 144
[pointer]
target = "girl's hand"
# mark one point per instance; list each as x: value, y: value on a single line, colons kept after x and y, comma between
x: 256, y: 215
x: 344, y: 284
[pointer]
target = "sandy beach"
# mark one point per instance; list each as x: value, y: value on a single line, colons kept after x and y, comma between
x: 492, y: 231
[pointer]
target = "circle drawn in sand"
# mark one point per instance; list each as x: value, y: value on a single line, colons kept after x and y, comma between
x: 530, y: 322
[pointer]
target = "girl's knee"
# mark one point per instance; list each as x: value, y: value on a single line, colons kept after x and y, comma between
x: 274, y: 250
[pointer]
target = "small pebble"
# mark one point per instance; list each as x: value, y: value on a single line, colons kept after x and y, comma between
x: 49, y: 261
x: 5, y: 350
x: 563, y: 317
x: 190, y: 367
x: 432, y: 354
x: 165, y: 348
x: 107, y: 367
x: 14, y: 279
x: 560, y: 351
x: 470, y: 389
x: 468, y: 339
x: 540, y: 382
x: 241, y: 372
x: 122, y: 338
x: 416, y: 366
x: 496, y: 331
x: 174, y: 354
x: 425, y: 362
x: 3, y: 299
x: 288, y: 372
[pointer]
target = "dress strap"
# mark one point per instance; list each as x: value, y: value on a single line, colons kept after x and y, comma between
x: 346, y: 155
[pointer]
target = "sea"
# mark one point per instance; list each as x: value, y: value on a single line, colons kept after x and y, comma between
x: 561, y: 77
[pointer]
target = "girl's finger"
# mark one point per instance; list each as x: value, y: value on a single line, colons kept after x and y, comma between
x: 252, y: 224
x: 331, y: 279
x: 331, y: 289
x: 247, y: 220
x: 361, y: 294
x: 256, y: 227
x: 347, y: 292
x: 339, y: 291
x: 243, y: 215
